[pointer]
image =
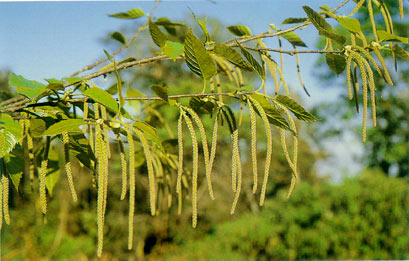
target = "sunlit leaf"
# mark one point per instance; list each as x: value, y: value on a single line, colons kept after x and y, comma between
x: 293, y: 20
x: 351, y: 24
x: 294, y: 107
x: 102, y: 97
x: 71, y: 125
x: 7, y: 122
x: 274, y: 116
x: 7, y: 142
x: 130, y: 14
x: 173, y: 49
x: 256, y: 66
x: 232, y: 56
x: 54, y: 84
x: 239, y: 30
x: 14, y: 165
x: 202, y: 25
x: 402, y: 53
x: 385, y: 36
x: 294, y: 39
x: 317, y: 20
x: 28, y: 88
x: 161, y: 91
x: 158, y: 37
x: 197, y: 58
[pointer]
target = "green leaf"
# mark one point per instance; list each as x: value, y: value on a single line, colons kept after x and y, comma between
x: 317, y: 20
x: 52, y: 176
x: 293, y: 106
x: 80, y: 148
x: 71, y: 125
x: 293, y: 20
x: 7, y: 142
x: 402, y: 53
x: 230, y: 118
x: 102, y: 97
x: 239, y: 30
x: 158, y: 37
x: 72, y: 80
x: 37, y: 127
x: 256, y: 66
x: 385, y: 36
x: 201, y: 106
x: 173, y: 49
x: 273, y: 115
x: 335, y: 62
x: 7, y: 122
x: 14, y: 165
x: 130, y: 14
x: 161, y: 91
x: 232, y: 56
x: 119, y: 37
x: 54, y: 84
x: 202, y: 25
x: 294, y: 39
x: 28, y: 88
x: 351, y: 24
x: 325, y: 8
x: 336, y: 37
x: 169, y: 26
x: 197, y: 58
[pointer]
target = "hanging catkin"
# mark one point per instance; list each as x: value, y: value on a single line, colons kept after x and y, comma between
x: 43, y: 173
x: 195, y: 168
x: 151, y: 175
x: 30, y: 147
x: 348, y: 71
x: 106, y: 137
x: 1, y: 204
x: 214, y: 142
x: 100, y: 155
x: 123, y: 166
x: 85, y: 116
x: 372, y: 87
x: 5, y: 182
x: 68, y: 170
x: 180, y: 158
x: 236, y: 154
x: 269, y: 147
x: 382, y: 61
x: 253, y: 132
x: 205, y: 149
x: 131, y: 147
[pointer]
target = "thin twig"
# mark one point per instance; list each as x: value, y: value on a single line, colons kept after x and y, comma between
x: 291, y: 52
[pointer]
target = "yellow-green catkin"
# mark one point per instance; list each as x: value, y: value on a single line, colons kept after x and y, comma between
x: 299, y: 71
x: 234, y: 162
x: 43, y: 173
x: 151, y: 174
x: 382, y: 61
x: 123, y: 166
x: 5, y: 182
x: 214, y: 142
x: 348, y: 71
x: 236, y: 154
x: 371, y: 82
x: 269, y: 148
x: 1, y: 204
x: 85, y: 116
x: 358, y: 5
x: 30, y: 147
x: 131, y: 147
x: 253, y: 132
x: 22, y: 126
x: 68, y: 170
x: 100, y: 151
x: 205, y: 149
x: 106, y: 137
x: 370, y: 58
x: 180, y: 156
x: 361, y: 66
x: 401, y: 9
x: 195, y: 168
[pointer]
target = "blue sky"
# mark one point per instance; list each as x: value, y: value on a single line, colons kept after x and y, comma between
x: 54, y: 39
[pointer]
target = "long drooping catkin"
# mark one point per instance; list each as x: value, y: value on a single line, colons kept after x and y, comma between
x: 299, y: 71
x: 348, y: 71
x: 370, y: 58
x: 5, y: 182
x: 214, y: 142
x: 151, y: 175
x: 68, y: 170
x: 234, y: 163
x: 43, y: 173
x: 85, y: 116
x: 195, y: 168
x: 269, y: 147
x: 382, y: 61
x: 101, y: 157
x: 236, y: 154
x: 205, y: 149
x: 371, y: 82
x: 30, y: 147
x: 1, y: 204
x: 180, y: 158
x: 123, y: 166
x: 131, y: 147
x: 106, y: 137
x: 253, y: 132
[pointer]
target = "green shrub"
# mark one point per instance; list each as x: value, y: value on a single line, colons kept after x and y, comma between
x: 366, y: 217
